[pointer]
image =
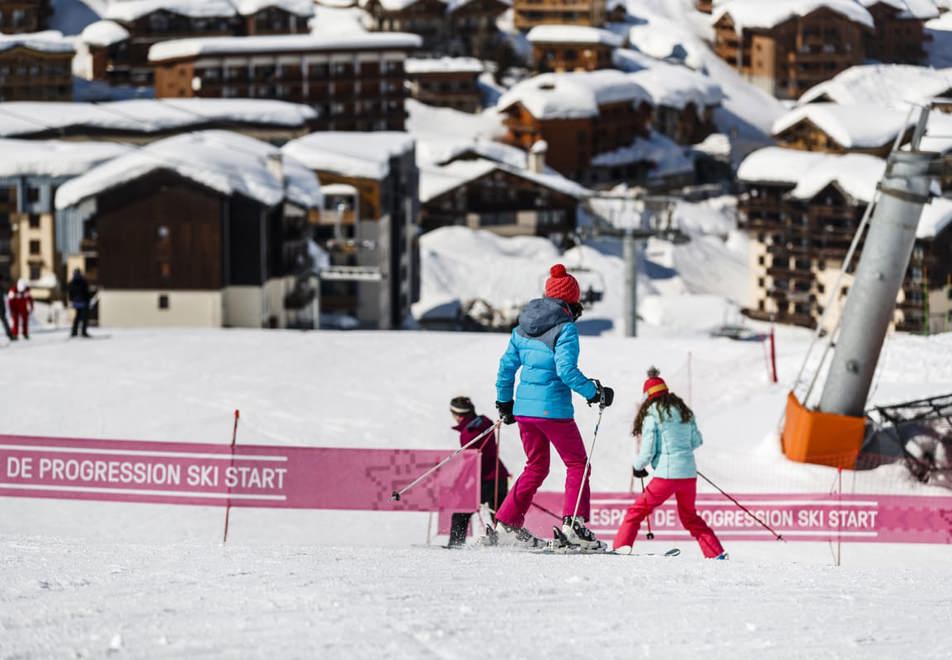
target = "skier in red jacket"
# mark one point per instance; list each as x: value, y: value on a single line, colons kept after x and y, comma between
x: 494, y: 484
x: 21, y: 305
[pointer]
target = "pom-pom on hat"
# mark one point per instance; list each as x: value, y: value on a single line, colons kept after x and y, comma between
x: 561, y: 285
x: 655, y: 385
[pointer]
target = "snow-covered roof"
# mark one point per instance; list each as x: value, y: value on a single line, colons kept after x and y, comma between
x: 667, y: 156
x: 298, y: 7
x: 338, y: 21
x: 103, y: 33
x: 918, y: 9
x: 436, y: 180
x: 443, y: 65
x: 936, y: 218
x: 48, y: 41
x: 572, y: 95
x: 573, y: 34
x: 147, y: 115
x: 810, y: 172
x: 766, y: 14
x: 363, y: 155
x: 220, y: 160
x: 54, y: 158
x: 893, y: 85
x: 131, y: 10
x: 677, y: 86
x: 861, y: 126
x: 285, y: 43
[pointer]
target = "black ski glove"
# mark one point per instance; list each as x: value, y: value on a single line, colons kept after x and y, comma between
x: 505, y: 412
x: 604, y: 396
x: 641, y: 474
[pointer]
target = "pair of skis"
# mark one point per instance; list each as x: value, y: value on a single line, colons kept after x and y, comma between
x: 560, y: 545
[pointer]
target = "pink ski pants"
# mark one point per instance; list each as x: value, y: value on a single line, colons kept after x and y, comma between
x: 537, y: 433
x: 657, y: 492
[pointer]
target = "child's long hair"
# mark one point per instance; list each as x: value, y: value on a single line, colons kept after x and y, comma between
x: 665, y: 402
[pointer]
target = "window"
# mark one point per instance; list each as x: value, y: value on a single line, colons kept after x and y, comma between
x: 32, y: 194
x: 34, y: 221
x: 34, y: 248
x: 163, y: 301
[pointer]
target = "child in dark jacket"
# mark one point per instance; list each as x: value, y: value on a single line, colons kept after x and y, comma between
x: 669, y: 436
x: 494, y: 478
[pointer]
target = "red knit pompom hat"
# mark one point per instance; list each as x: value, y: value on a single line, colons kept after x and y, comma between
x: 655, y: 385
x: 561, y: 285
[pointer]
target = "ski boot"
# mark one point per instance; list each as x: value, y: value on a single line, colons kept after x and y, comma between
x: 517, y: 536
x: 577, y: 534
x: 489, y: 538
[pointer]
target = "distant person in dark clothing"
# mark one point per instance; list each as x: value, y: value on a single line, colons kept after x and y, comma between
x: 78, y: 291
x: 3, y: 309
x: 494, y: 484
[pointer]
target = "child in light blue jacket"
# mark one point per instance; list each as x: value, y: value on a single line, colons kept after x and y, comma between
x: 669, y: 436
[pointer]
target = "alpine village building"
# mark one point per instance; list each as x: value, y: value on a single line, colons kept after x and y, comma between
x: 354, y: 83
x: 205, y: 229
x: 446, y: 82
x: 119, y: 44
x: 528, y: 14
x: 19, y: 16
x: 572, y: 48
x: 36, y: 67
x: 803, y: 203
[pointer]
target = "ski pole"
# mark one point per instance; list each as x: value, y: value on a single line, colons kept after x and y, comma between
x: 395, y: 496
x: 742, y: 508
x: 588, y: 459
x: 648, y: 519
x: 544, y: 510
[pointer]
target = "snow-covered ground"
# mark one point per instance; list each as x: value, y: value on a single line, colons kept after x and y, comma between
x: 84, y: 579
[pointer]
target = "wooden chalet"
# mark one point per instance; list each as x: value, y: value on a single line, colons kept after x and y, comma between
x: 20, y: 16
x: 785, y: 56
x: 900, y: 35
x: 119, y: 45
x: 528, y: 14
x: 36, y: 67
x: 572, y: 48
x: 181, y: 239
x: 446, y: 82
x: 354, y: 83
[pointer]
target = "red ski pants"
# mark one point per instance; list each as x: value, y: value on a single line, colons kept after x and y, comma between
x: 657, y: 492
x: 21, y: 321
x: 536, y: 435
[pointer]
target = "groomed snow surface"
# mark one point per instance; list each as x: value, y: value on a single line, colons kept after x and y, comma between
x: 80, y: 579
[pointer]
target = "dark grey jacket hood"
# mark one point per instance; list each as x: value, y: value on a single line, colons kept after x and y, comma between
x: 541, y: 315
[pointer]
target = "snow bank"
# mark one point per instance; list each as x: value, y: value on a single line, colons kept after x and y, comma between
x: 287, y: 43
x: 888, y: 85
x: 364, y: 155
x: 147, y: 115
x: 415, y: 66
x: 54, y: 158
x: 225, y: 162
x: 936, y: 218
x: 809, y: 172
x: 572, y: 95
x: 48, y: 41
x: 103, y: 33
x: 757, y: 14
x: 865, y: 126
x: 573, y: 34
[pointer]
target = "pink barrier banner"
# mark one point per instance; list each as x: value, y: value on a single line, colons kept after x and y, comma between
x: 250, y: 476
x: 797, y: 517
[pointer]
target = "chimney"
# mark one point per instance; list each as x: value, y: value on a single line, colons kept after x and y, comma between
x: 275, y: 165
x: 537, y: 156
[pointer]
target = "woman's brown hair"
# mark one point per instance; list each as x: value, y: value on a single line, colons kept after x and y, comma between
x: 665, y: 402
